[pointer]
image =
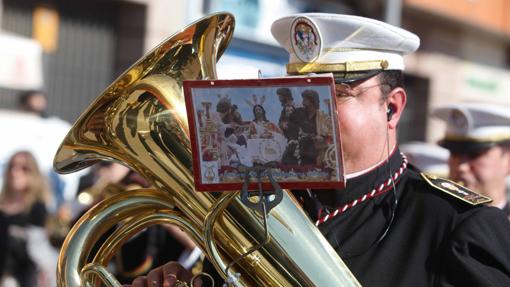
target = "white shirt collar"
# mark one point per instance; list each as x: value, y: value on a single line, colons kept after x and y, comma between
x: 358, y: 173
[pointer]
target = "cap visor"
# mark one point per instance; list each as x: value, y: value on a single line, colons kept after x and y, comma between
x: 466, y: 147
x: 351, y: 77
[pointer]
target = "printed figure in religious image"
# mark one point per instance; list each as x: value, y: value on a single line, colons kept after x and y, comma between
x: 302, y: 129
x: 260, y: 127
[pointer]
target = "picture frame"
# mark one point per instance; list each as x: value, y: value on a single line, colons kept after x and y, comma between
x: 250, y: 130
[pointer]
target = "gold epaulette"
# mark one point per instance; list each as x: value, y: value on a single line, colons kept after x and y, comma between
x: 456, y: 190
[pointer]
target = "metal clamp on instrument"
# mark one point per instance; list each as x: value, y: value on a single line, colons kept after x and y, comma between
x: 266, y: 199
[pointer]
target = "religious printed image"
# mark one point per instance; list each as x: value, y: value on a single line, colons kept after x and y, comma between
x: 286, y: 129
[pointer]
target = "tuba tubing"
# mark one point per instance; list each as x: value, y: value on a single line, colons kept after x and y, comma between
x: 140, y: 121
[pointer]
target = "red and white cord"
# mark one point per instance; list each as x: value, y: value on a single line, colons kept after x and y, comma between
x: 381, y: 189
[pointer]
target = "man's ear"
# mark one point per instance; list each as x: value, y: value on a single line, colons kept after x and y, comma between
x: 395, y: 104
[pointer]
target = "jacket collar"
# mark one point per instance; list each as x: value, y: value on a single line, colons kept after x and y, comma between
x: 363, y: 184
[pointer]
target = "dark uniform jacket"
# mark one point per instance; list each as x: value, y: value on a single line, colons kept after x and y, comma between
x: 433, y: 239
x: 506, y: 210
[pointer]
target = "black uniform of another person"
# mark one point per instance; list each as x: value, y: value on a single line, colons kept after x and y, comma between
x: 433, y: 239
x: 506, y: 210
x: 474, y: 133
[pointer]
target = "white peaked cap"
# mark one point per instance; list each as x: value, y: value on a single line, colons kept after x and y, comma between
x: 430, y: 158
x: 478, y: 124
x: 320, y: 42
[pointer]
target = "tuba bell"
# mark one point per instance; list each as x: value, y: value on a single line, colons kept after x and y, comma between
x: 140, y: 121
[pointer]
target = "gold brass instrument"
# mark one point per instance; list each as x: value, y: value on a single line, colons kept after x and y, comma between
x: 140, y: 120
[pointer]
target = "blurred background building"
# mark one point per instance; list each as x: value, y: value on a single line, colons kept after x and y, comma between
x: 74, y: 49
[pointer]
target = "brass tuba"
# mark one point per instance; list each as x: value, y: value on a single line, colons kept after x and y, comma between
x: 140, y: 121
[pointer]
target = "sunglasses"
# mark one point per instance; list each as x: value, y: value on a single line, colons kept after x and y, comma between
x: 346, y: 91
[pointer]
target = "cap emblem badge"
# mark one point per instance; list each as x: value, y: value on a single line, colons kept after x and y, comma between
x: 458, y: 120
x: 305, y: 39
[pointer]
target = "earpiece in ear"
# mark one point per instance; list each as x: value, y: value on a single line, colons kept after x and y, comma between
x: 389, y: 112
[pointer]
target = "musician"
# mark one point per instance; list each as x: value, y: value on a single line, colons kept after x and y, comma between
x: 391, y: 225
x: 478, y: 138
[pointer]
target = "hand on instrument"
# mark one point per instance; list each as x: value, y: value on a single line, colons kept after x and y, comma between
x: 168, y: 275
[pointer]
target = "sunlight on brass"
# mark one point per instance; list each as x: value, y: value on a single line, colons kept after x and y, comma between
x: 140, y: 121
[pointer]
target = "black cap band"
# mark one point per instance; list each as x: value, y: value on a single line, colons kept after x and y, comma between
x: 351, y: 77
x: 470, y: 147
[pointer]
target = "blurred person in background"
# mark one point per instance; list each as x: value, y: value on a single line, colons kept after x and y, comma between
x: 153, y: 246
x: 33, y: 101
x: 147, y: 249
x: 97, y: 184
x: 478, y: 138
x: 23, y: 201
x: 429, y: 158
x: 3, y: 243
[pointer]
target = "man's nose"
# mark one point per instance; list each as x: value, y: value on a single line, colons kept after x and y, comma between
x: 458, y: 162
x: 463, y: 163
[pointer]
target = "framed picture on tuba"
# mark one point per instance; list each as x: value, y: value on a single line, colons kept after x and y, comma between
x: 270, y: 130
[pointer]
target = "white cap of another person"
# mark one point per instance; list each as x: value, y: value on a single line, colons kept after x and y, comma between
x: 350, y: 47
x: 429, y: 158
x: 473, y: 127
